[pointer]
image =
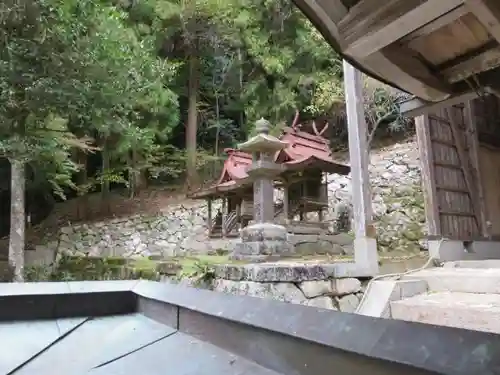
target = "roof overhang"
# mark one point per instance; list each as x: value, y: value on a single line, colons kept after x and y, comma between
x: 401, y: 42
x: 314, y: 162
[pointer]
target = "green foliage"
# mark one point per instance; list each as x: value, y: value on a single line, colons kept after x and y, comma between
x: 201, y: 273
x: 74, y: 67
x: 92, y: 76
x: 73, y: 268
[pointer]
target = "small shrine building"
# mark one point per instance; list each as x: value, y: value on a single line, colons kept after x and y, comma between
x: 305, y: 163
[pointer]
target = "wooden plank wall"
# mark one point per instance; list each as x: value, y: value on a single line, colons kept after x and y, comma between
x: 454, y: 184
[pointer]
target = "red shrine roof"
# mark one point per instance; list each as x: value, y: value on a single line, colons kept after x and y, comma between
x: 304, y: 150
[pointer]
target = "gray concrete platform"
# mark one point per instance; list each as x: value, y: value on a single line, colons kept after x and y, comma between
x: 453, y: 309
x: 465, y: 280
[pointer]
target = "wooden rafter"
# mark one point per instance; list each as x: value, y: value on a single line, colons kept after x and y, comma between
x: 487, y: 60
x: 409, y: 62
x: 437, y: 24
x: 488, y: 13
x: 373, y: 24
x: 328, y: 12
x: 415, y: 107
x: 386, y: 65
x: 325, y: 13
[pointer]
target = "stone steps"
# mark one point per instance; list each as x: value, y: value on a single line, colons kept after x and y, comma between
x: 463, y: 280
x: 473, y: 311
x: 482, y: 264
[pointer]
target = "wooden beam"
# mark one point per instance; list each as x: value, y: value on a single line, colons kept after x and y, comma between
x: 437, y: 24
x: 487, y: 60
x: 322, y: 16
x: 465, y: 165
x: 399, y: 64
x: 418, y: 107
x: 326, y: 12
x: 372, y: 25
x: 473, y: 142
x: 488, y: 13
x: 410, y: 63
x: 422, y: 126
x: 358, y: 152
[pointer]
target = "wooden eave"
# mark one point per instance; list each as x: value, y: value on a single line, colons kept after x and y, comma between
x: 434, y: 49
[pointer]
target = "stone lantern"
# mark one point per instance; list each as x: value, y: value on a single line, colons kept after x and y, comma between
x: 263, y: 239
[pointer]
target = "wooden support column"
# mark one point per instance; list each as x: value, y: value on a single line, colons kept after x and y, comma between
x: 224, y: 217
x: 238, y: 214
x: 209, y: 215
x: 427, y: 172
x: 472, y: 140
x: 365, y: 243
x: 286, y: 208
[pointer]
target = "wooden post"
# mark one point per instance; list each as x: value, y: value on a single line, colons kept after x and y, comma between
x: 238, y: 213
x: 209, y: 215
x: 286, y: 202
x: 224, y: 216
x: 426, y: 156
x: 472, y: 140
x: 365, y: 243
x: 320, y: 215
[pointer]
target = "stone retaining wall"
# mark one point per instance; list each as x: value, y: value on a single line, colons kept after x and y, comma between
x: 397, y: 205
x: 336, y: 294
x: 309, y: 285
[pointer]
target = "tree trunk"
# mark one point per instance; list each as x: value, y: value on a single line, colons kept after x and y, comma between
x: 105, y: 185
x: 240, y: 62
x: 17, y: 220
x: 217, y: 119
x: 81, y: 181
x: 131, y: 174
x: 192, y: 123
x: 137, y: 178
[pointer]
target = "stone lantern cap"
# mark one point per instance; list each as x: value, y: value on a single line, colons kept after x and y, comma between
x: 263, y: 141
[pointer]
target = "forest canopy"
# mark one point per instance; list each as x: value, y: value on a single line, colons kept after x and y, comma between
x: 98, y: 94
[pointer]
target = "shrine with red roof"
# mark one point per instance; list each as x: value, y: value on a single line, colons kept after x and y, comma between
x: 302, y: 197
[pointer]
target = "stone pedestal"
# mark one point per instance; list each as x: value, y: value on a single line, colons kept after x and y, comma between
x: 262, y: 242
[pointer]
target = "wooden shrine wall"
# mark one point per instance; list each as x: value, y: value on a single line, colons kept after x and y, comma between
x: 486, y: 114
x: 452, y: 190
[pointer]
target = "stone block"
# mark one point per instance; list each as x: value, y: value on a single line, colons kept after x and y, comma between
x: 380, y: 293
x: 312, y: 289
x: 472, y: 311
x: 261, y: 241
x: 348, y: 303
x: 345, y: 286
x: 323, y: 302
x: 275, y: 272
x: 474, y: 280
x: 317, y: 247
x: 285, y: 292
x: 486, y: 263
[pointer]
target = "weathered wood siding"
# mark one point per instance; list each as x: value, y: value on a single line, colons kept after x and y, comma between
x: 451, y: 187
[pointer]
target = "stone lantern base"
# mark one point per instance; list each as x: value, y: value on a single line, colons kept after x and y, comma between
x: 262, y: 242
